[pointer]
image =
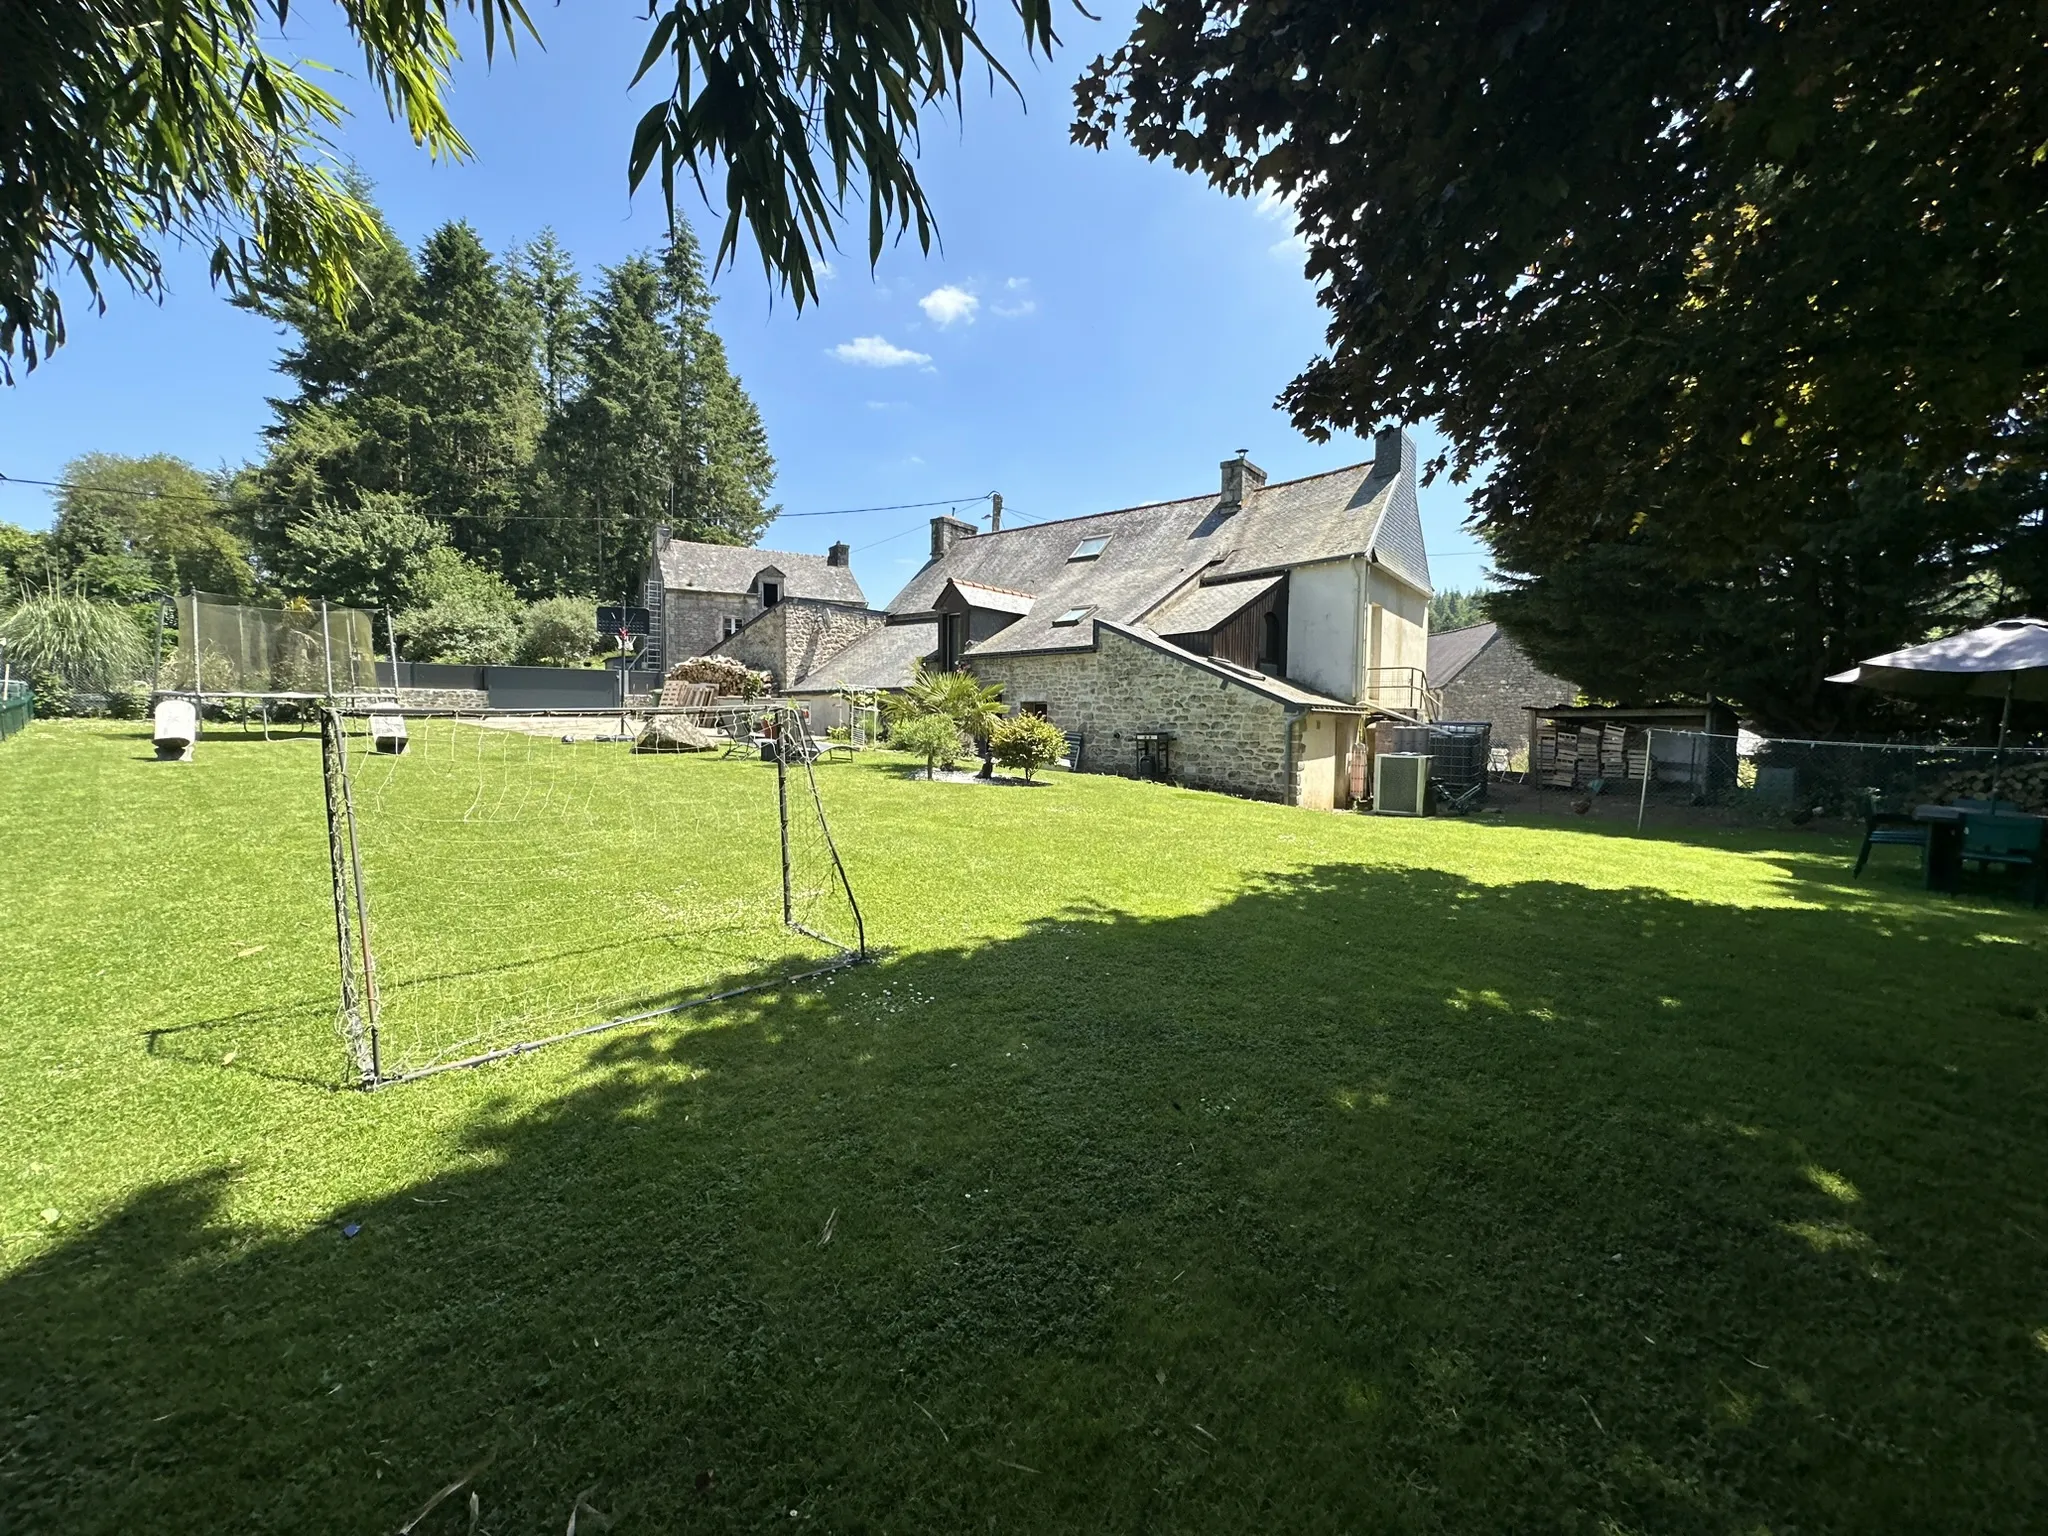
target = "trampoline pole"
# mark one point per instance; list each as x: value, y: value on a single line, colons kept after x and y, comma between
x: 327, y: 650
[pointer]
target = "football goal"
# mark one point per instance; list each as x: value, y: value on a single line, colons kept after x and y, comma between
x: 506, y: 880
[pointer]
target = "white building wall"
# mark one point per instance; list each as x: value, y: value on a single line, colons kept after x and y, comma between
x: 1325, y: 641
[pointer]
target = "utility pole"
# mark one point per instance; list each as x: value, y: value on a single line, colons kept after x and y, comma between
x: 995, y: 512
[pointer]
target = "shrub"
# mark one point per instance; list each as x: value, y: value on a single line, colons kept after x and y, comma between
x: 67, y: 645
x: 731, y: 677
x: 558, y: 631
x: 935, y: 738
x: 459, y: 628
x: 130, y: 701
x: 1029, y: 742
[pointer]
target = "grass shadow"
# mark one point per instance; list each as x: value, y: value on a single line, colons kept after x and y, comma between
x: 1373, y: 1198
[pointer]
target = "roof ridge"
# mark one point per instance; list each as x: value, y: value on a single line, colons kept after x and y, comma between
x: 1173, y: 501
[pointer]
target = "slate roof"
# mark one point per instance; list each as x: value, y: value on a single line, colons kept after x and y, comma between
x: 1156, y: 551
x: 998, y: 599
x: 689, y: 566
x: 1453, y: 650
x: 1200, y: 609
x: 881, y: 658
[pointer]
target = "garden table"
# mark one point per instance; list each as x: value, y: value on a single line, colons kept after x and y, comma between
x: 1944, y: 871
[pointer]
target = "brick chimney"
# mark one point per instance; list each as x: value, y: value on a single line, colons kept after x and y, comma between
x: 1240, y: 478
x: 839, y: 554
x: 947, y: 531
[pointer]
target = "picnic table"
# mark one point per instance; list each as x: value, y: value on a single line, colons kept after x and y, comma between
x: 1960, y: 834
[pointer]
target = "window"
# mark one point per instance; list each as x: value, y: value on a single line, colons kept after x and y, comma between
x: 732, y: 625
x: 1089, y: 548
x: 1272, y: 642
x: 771, y: 593
x: 1028, y: 708
x: 952, y: 640
x: 1072, y: 616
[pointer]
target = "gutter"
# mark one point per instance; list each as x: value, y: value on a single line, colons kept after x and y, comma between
x: 1292, y: 713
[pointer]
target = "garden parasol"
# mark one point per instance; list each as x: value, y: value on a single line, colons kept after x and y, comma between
x: 2007, y: 660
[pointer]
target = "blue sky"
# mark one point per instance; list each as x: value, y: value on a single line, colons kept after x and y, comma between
x: 1096, y: 332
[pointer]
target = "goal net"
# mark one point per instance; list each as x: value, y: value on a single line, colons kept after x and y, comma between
x: 508, y: 880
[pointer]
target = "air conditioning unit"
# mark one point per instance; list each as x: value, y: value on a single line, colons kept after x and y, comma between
x: 1401, y: 784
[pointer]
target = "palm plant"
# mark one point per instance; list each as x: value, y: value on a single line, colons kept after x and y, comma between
x: 957, y: 696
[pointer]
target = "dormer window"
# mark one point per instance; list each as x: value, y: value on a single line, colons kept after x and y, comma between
x: 771, y: 593
x: 1090, y: 547
x: 1073, y: 616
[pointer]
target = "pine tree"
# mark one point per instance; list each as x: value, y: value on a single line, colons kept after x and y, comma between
x: 723, y: 469
x: 542, y: 277
x: 463, y: 394
x: 610, y: 454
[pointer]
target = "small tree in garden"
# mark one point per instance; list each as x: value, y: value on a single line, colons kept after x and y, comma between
x: 935, y: 738
x: 957, y: 696
x: 558, y: 631
x: 1029, y: 742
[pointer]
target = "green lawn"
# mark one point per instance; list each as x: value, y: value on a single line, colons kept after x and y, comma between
x: 1189, y: 1165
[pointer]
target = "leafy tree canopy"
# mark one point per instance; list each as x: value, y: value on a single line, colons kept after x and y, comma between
x: 127, y: 123
x: 1724, y: 287
x: 130, y: 527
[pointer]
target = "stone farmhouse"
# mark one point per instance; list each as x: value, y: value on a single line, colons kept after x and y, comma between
x: 700, y: 595
x: 1480, y: 673
x: 1237, y: 640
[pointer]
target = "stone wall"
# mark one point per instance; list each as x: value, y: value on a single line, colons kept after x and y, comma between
x: 692, y: 623
x: 1226, y: 737
x: 797, y: 635
x: 1498, y: 685
x: 444, y: 698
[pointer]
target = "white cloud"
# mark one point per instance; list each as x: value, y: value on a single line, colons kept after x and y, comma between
x: 947, y: 305
x: 1020, y: 303
x: 1279, y: 209
x: 878, y: 352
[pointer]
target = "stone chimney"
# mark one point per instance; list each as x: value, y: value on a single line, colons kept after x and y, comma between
x: 839, y: 554
x: 662, y: 534
x: 1387, y: 445
x: 947, y: 531
x: 1240, y: 478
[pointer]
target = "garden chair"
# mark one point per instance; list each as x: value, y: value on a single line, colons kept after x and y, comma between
x: 2011, y: 842
x: 798, y: 745
x: 1895, y: 828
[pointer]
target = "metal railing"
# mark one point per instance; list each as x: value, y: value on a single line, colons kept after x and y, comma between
x: 1403, y: 690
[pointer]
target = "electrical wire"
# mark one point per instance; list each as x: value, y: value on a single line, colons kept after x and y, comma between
x: 512, y: 517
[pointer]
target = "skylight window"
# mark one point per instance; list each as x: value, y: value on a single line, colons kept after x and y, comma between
x: 1089, y: 548
x: 1072, y: 616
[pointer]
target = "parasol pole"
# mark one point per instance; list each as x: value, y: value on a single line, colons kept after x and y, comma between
x: 2004, y: 725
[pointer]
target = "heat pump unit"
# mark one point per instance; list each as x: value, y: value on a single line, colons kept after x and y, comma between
x: 1401, y: 784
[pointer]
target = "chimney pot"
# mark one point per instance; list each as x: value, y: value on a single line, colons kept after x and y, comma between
x: 839, y: 554
x: 1240, y: 478
x: 946, y: 532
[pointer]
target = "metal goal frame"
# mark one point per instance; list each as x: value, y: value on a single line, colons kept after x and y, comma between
x: 793, y: 753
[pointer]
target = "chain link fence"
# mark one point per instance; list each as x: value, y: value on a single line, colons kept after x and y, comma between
x: 1652, y: 778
